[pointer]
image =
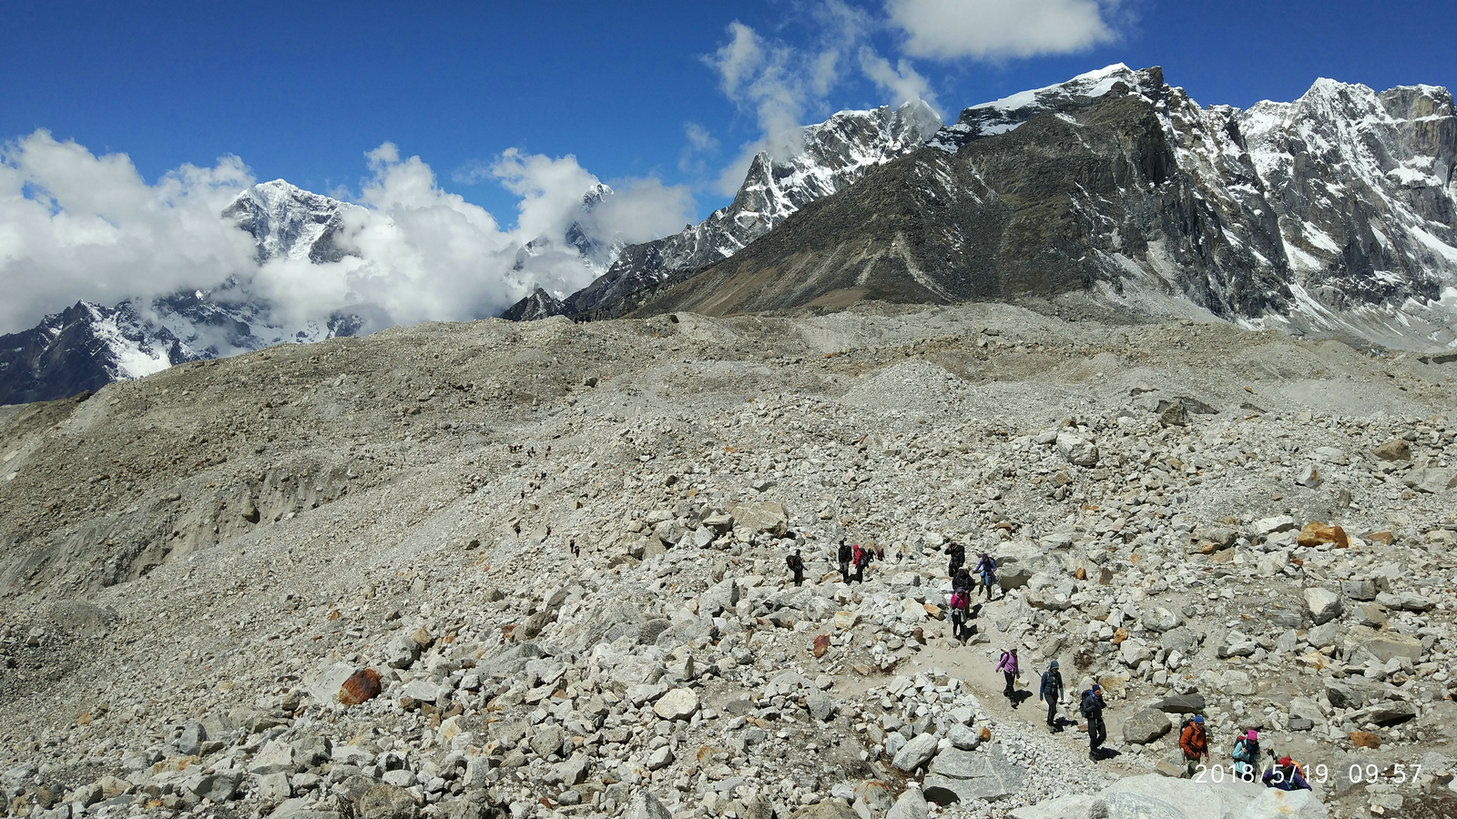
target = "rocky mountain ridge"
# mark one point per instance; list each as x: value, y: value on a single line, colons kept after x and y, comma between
x: 1336, y: 214
x: 824, y: 159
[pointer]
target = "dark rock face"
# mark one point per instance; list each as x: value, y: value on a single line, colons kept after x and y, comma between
x: 538, y: 305
x: 61, y: 356
x: 1334, y: 213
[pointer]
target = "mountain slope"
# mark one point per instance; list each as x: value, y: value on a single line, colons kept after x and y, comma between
x: 826, y: 158
x: 1331, y: 214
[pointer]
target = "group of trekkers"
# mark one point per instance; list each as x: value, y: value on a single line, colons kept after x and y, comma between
x: 1285, y: 774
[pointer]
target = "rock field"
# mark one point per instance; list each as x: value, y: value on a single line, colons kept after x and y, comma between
x: 337, y: 580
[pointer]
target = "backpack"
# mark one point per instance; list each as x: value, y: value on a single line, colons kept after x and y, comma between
x: 1049, y: 686
x: 1089, y: 705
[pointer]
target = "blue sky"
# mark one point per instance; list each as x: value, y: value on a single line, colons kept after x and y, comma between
x: 303, y: 90
x: 501, y: 114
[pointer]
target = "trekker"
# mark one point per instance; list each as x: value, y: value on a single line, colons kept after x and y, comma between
x: 961, y: 581
x: 862, y: 560
x: 1092, y: 709
x: 1050, y: 692
x: 1246, y: 755
x: 844, y: 555
x: 986, y: 568
x: 1194, y: 742
x: 1286, y: 775
x: 958, y: 558
x: 1008, y: 666
x: 959, y: 601
x: 796, y: 565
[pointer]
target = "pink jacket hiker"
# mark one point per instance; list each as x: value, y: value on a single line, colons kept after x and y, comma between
x: 1008, y: 663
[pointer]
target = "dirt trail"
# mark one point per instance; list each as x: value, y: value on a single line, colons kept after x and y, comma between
x: 975, y: 664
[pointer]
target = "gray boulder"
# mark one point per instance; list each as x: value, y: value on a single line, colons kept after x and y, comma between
x: 644, y: 805
x: 917, y: 752
x: 962, y: 776
x: 1146, y: 726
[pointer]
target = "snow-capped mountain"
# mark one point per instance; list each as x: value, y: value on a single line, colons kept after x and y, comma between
x: 583, y: 244
x: 1336, y: 213
x: 89, y: 345
x: 821, y: 160
x: 291, y: 223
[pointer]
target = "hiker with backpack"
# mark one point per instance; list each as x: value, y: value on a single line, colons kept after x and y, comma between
x: 1092, y: 706
x: 1008, y: 666
x: 1049, y: 690
x: 986, y: 568
x: 1194, y: 743
x: 796, y: 565
x: 862, y: 559
x: 844, y: 554
x: 961, y: 581
x: 959, y: 602
x: 1286, y: 775
x: 1246, y: 755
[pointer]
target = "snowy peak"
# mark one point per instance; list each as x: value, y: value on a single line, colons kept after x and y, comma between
x: 1006, y: 114
x: 803, y: 165
x: 288, y: 222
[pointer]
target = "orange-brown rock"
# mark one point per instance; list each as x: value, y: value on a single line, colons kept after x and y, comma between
x: 1364, y: 739
x: 1315, y: 533
x: 362, y: 685
x: 1381, y: 538
x: 821, y: 645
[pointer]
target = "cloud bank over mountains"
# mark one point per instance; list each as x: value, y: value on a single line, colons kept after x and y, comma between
x: 75, y: 225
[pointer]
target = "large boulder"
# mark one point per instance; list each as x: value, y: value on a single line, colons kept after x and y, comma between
x: 962, y: 776
x: 1146, y: 726
x: 645, y: 805
x: 915, y: 753
x: 680, y: 703
x: 910, y: 805
x: 1079, y: 451
x: 1362, y: 643
x: 1324, y: 604
x: 1072, y: 806
x: 760, y: 516
x: 1190, y: 703
x: 1152, y: 796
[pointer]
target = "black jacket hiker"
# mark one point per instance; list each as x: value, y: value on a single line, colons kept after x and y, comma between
x: 796, y: 565
x: 1050, y: 691
x: 1092, y: 708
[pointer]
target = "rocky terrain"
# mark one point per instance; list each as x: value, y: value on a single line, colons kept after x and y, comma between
x: 202, y: 567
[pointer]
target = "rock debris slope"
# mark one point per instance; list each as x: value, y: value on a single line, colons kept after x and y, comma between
x: 202, y: 567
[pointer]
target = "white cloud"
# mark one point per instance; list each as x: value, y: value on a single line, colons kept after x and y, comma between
x: 901, y: 80
x: 996, y: 29
x: 550, y: 190
x: 77, y: 226
x: 786, y: 86
x: 74, y: 225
